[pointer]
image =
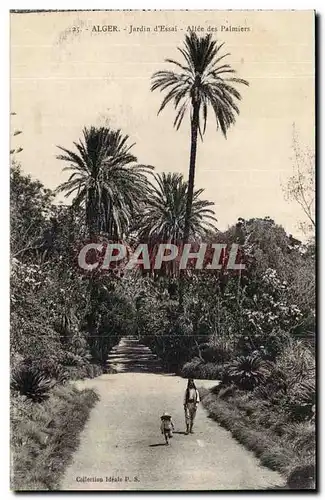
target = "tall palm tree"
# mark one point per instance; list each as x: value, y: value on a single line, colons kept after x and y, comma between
x: 162, y: 219
x: 204, y: 81
x: 105, y: 179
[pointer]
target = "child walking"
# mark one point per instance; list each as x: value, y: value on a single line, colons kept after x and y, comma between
x: 167, y: 426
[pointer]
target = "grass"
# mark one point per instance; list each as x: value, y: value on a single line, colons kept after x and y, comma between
x: 82, y: 372
x: 45, y: 435
x: 281, y: 445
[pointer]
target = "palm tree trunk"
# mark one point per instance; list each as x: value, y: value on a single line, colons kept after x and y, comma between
x: 92, y: 217
x: 92, y: 223
x: 190, y: 189
x: 191, y: 173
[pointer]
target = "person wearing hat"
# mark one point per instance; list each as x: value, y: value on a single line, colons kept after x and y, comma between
x: 167, y: 426
x: 191, y: 402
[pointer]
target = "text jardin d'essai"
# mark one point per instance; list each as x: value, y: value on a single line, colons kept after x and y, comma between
x: 164, y: 28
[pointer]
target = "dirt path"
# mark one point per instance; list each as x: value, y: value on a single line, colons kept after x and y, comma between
x: 122, y: 440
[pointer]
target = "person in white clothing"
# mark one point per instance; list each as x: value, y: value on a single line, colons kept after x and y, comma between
x: 191, y: 402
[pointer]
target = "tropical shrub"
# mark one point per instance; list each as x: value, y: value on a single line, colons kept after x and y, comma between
x: 302, y: 477
x: 49, y: 367
x: 32, y: 383
x: 218, y: 350
x: 196, y: 368
x: 246, y: 372
x: 297, y: 360
x: 301, y: 399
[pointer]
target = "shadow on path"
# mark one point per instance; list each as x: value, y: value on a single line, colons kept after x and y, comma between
x: 131, y: 356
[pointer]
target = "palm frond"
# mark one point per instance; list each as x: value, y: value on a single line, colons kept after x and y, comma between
x: 106, y: 179
x: 163, y: 217
x: 204, y: 79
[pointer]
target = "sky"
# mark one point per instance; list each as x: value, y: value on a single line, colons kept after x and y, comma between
x: 67, y: 74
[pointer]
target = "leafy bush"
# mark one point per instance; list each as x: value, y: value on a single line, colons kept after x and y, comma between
x: 32, y: 383
x: 219, y: 350
x: 270, y: 393
x: 246, y: 372
x: 301, y: 399
x: 224, y: 391
x: 301, y: 436
x: 201, y: 370
x: 302, y: 477
x: 297, y: 360
x: 49, y: 367
x: 274, y: 388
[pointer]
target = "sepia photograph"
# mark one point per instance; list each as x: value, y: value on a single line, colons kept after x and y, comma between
x: 162, y: 250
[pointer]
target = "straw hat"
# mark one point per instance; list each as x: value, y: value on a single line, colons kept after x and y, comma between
x: 165, y: 415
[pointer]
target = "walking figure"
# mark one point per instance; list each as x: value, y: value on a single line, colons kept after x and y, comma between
x: 191, y: 402
x: 167, y: 426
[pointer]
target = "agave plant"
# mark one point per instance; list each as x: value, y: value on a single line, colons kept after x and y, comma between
x: 247, y: 372
x: 52, y: 371
x: 32, y: 383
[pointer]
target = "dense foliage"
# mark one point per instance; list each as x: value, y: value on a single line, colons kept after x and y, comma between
x: 51, y: 301
x: 253, y: 329
x: 45, y: 435
x: 228, y: 314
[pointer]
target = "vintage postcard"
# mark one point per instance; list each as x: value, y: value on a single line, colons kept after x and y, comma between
x: 162, y: 170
